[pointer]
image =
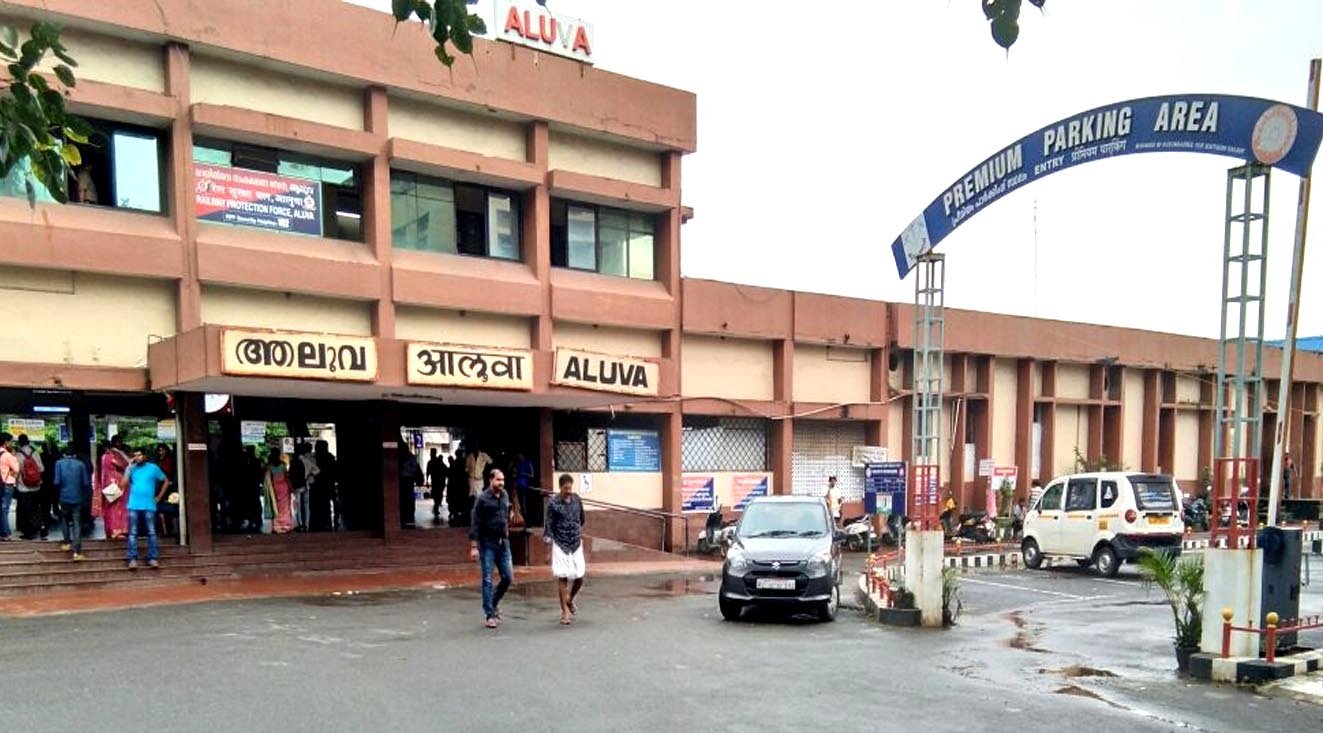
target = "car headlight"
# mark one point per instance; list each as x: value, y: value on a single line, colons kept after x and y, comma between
x: 737, y: 563
x: 819, y: 565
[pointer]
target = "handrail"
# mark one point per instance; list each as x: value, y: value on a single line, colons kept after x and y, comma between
x: 658, y: 514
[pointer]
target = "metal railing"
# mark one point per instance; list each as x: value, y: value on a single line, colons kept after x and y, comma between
x: 664, y: 518
x: 1268, y: 633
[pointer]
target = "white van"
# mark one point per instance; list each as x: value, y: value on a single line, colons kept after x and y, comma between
x: 1103, y: 519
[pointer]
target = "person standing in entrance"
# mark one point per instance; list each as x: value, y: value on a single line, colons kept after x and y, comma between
x: 114, y: 514
x: 524, y: 474
x: 834, y: 499
x: 564, y: 532
x: 326, y: 507
x: 278, y: 494
x: 8, y: 483
x: 489, y: 544
x: 457, y: 491
x: 475, y: 465
x: 436, y: 480
x: 74, y: 483
x: 30, y: 473
x: 146, y: 485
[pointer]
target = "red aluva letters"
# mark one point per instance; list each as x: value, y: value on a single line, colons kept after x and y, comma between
x: 548, y: 30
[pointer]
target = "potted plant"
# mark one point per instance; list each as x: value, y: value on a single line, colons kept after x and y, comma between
x: 1004, y: 493
x: 1182, y: 582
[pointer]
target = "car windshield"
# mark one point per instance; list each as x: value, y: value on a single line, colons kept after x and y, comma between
x: 1154, y: 494
x: 775, y: 519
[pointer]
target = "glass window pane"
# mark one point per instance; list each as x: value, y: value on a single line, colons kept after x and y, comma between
x: 612, y: 235
x: 401, y: 182
x: 641, y: 255
x: 582, y: 236
x: 642, y: 223
x: 299, y: 169
x: 403, y: 215
x: 137, y: 172
x: 214, y: 156
x: 502, y: 227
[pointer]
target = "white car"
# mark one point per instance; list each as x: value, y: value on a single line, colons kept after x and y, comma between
x: 1103, y: 519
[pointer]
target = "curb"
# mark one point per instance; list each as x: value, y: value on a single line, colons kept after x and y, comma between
x: 976, y: 561
x: 883, y: 615
x: 1248, y: 669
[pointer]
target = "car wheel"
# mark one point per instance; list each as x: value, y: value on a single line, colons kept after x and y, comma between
x: 730, y: 610
x: 1106, y: 561
x: 1033, y: 557
x: 855, y: 543
x: 827, y: 611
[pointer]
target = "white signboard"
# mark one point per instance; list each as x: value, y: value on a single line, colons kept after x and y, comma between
x: 166, y: 431
x: 865, y: 454
x: 985, y: 466
x: 252, y: 432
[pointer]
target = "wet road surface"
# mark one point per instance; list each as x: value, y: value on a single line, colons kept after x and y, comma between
x: 1034, y: 651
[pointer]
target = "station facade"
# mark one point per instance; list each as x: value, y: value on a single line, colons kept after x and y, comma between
x: 297, y: 217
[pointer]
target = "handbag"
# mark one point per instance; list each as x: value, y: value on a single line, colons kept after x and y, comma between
x: 112, y: 491
x: 172, y: 499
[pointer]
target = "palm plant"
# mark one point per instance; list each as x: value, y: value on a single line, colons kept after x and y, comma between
x: 1182, y: 582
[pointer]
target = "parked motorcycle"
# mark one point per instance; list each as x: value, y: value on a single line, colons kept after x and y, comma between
x: 975, y: 527
x: 1195, y: 513
x: 859, y: 534
x: 717, y: 533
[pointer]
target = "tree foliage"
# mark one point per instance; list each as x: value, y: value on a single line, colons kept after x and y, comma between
x: 448, y: 22
x: 1004, y: 19
x: 35, y: 129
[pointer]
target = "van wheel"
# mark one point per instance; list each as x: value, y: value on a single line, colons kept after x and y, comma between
x: 827, y: 611
x: 1106, y: 561
x: 730, y: 610
x: 1033, y: 557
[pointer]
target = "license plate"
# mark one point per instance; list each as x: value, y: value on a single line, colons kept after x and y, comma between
x: 1159, y: 520
x: 776, y: 583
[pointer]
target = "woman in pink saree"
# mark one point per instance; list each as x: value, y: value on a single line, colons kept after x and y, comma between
x: 114, y: 514
x: 278, y: 494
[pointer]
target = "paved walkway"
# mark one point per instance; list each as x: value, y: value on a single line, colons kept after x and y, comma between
x: 305, y: 584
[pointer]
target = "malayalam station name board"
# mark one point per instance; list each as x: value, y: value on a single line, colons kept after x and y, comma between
x: 450, y: 365
x: 298, y: 355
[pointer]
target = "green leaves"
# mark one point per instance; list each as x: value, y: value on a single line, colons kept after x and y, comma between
x: 448, y: 22
x: 37, y: 135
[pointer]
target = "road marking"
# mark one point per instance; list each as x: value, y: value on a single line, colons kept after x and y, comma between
x: 1011, y: 586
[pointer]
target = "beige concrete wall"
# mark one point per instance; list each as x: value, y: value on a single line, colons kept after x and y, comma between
x: 77, y: 318
x: 637, y: 490
x: 1132, y: 408
x: 227, y: 83
x: 896, y: 430
x: 1004, y: 391
x: 731, y: 368
x: 452, y: 327
x: 451, y: 128
x: 107, y: 58
x: 1072, y: 381
x: 1187, y: 389
x: 1072, y: 431
x: 266, y: 309
x: 617, y: 341
x: 1187, y: 446
x: 833, y: 375
x: 601, y: 158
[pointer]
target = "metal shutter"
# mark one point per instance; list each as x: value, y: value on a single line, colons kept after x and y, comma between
x: 823, y: 449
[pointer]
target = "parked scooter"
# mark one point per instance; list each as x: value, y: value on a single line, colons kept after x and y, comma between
x: 975, y: 527
x: 859, y: 534
x: 1195, y: 513
x: 716, y: 534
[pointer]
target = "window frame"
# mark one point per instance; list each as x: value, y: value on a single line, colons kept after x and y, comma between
x: 516, y: 203
x: 1060, y: 488
x: 1072, y: 485
x: 629, y: 216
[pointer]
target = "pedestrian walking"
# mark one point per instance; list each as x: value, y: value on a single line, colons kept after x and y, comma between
x: 833, y: 497
x: 146, y: 485
x: 30, y: 473
x: 114, y: 507
x: 74, y: 483
x: 564, y: 532
x: 9, y: 468
x: 489, y: 544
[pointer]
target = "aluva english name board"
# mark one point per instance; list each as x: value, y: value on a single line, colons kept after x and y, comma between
x: 527, y: 23
x: 605, y: 373
x: 1246, y: 128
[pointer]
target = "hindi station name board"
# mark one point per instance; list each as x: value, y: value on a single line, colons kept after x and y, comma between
x: 298, y: 355
x: 606, y: 373
x: 451, y: 365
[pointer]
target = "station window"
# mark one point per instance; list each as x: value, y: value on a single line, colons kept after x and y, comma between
x: 601, y: 239
x: 288, y: 193
x: 435, y: 215
x: 122, y: 168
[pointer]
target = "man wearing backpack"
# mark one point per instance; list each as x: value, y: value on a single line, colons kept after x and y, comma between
x: 30, y: 473
x: 9, y: 469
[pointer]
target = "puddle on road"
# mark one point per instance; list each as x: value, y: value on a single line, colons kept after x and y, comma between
x: 1077, y: 691
x: 1026, y: 636
x: 1077, y: 670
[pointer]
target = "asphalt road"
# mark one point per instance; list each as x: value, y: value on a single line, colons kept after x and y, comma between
x: 1033, y: 652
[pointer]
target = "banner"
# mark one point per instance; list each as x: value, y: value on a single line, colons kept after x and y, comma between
x: 34, y: 429
x: 748, y: 487
x: 1244, y: 128
x: 258, y: 200
x: 698, y: 493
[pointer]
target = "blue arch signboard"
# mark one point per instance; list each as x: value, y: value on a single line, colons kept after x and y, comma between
x: 1250, y: 129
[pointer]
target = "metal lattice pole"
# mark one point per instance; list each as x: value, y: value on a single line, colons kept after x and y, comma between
x: 929, y: 348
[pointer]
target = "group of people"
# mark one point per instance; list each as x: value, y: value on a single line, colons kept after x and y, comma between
x: 458, y: 481
x: 300, y: 494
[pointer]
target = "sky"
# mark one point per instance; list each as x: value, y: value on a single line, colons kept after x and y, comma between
x: 821, y: 135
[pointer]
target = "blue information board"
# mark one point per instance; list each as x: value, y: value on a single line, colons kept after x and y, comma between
x: 884, y: 488
x: 633, y: 450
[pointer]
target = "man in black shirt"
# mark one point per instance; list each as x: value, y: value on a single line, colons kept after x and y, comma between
x: 489, y: 544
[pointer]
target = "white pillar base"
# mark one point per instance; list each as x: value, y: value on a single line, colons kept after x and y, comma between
x: 923, y: 574
x: 1233, y: 579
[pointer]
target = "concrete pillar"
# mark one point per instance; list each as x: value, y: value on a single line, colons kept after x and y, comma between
x: 1233, y: 579
x: 376, y: 210
x: 671, y: 431
x: 923, y: 573
x: 195, y: 490
x: 390, y: 472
